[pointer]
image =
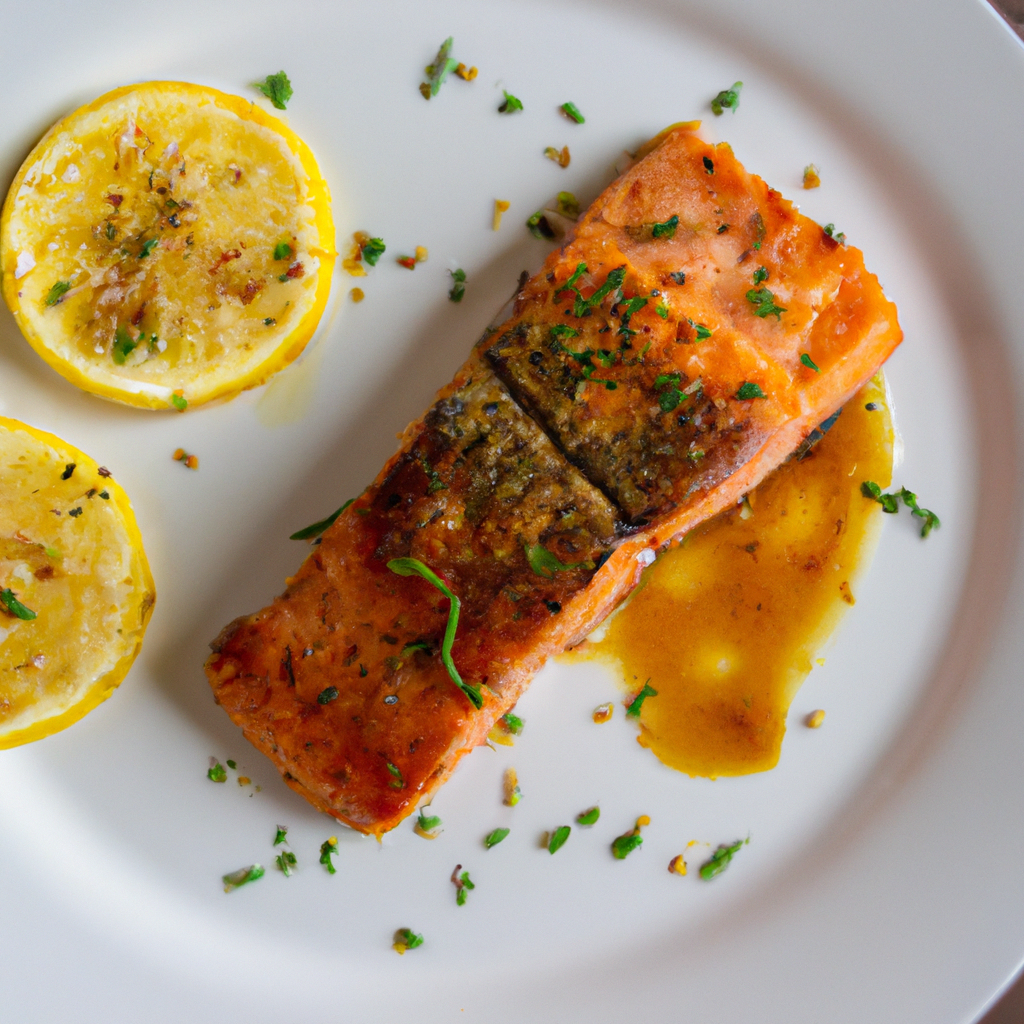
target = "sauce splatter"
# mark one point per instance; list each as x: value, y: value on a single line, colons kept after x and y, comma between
x: 727, y: 625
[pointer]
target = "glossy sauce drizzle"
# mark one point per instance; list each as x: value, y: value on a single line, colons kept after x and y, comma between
x: 726, y: 627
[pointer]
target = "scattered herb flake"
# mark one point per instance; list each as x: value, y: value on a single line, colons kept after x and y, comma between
x: 890, y: 503
x: 462, y: 884
x: 243, y: 876
x: 761, y: 274
x: 572, y: 112
x: 709, y: 165
x: 428, y: 822
x: 217, y: 773
x: 327, y: 850
x: 179, y: 401
x: 702, y: 332
x: 625, y: 844
x: 558, y: 838
x: 286, y: 861
x: 69, y: 468
x: 809, y: 362
x: 397, y: 782
x: 638, y: 701
x: 764, y: 304
x: 277, y: 89
x: 513, y: 723
x: 458, y: 289
x: 405, y: 939
x: 326, y: 695
x: 124, y: 345
x: 511, y: 104
x: 830, y: 230
x: 438, y: 71
x: 56, y: 293
x: 413, y: 566
x: 589, y: 817
x: 283, y: 251
x: 721, y: 859
x: 545, y: 564
x: 231, y: 764
x: 282, y: 833
x: 495, y: 837
x: 666, y: 229
x: 727, y: 99
x: 539, y: 226
x: 748, y: 390
x: 372, y: 250
x: 679, y: 276
x: 316, y: 529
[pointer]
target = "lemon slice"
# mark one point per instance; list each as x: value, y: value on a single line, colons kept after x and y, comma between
x: 75, y: 587
x: 168, y: 244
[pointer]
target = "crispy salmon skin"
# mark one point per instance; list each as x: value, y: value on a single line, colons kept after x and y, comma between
x: 672, y: 352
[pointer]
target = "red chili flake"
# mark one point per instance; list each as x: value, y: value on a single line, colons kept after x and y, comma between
x: 115, y: 200
x: 295, y: 270
x: 409, y: 262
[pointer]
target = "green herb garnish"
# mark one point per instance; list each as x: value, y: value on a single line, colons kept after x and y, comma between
x: 558, y: 838
x: 809, y: 362
x: 589, y: 817
x: 662, y: 310
x: 243, y: 876
x: 721, y: 859
x: 326, y: 695
x: 727, y: 99
x: 428, y: 823
x: 702, y: 332
x: 14, y: 606
x: 570, y: 285
x: 438, y: 71
x: 463, y: 884
x: 317, y: 528
x: 545, y: 564
x: 764, y: 302
x: 458, y: 289
x: 671, y: 395
x: 124, y: 345
x: 890, y: 503
x: 147, y: 247
x: 217, y: 773
x: 414, y: 567
x: 495, y: 837
x: 231, y: 764
x: 282, y: 833
x: 372, y: 250
x: 638, y: 701
x: 56, y: 293
x: 285, y: 861
x: 180, y: 402
x: 277, y: 89
x: 539, y: 226
x: 572, y: 112
x: 283, y: 251
x: 397, y: 782
x: 679, y: 276
x: 417, y: 645
x: 405, y: 939
x: 761, y: 274
x: 830, y: 230
x: 709, y: 165
x: 513, y: 723
x: 327, y: 850
x: 511, y: 104
x: 748, y: 390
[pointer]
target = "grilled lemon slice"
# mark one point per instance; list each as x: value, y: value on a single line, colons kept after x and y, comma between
x: 167, y: 245
x: 75, y: 587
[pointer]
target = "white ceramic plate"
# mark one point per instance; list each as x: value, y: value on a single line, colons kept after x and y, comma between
x: 883, y: 880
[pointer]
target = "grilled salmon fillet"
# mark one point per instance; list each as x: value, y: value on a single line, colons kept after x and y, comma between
x: 672, y: 352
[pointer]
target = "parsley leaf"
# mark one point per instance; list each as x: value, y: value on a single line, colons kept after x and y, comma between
x: 721, y: 859
x: 545, y: 564
x: 709, y: 165
x: 372, y: 250
x: 405, y: 939
x: 572, y: 112
x: 326, y: 695
x: 180, y: 402
x: 277, y: 89
x: 217, y: 773
x: 511, y: 104
x: 458, y: 289
x: 428, y: 822
x: 285, y: 861
x: 56, y: 293
x: 727, y: 99
x: 830, y: 230
x: 438, y: 71
x: 679, y: 276
x: 463, y: 884
x: 414, y: 567
x: 761, y: 274
x: 764, y: 302
x: 890, y: 503
x: 809, y: 362
x: 282, y: 835
x: 243, y: 876
x: 702, y: 332
x: 748, y: 390
x: 124, y: 345
x: 397, y: 782
x: 283, y: 251
x: 666, y: 229
x: 147, y: 247
x: 317, y: 528
x: 14, y: 606
x: 495, y: 837
x: 558, y: 838
x: 589, y: 817
x: 638, y: 701
x: 327, y: 850
x: 513, y: 723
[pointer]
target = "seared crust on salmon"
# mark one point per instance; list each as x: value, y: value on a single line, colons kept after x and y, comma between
x: 685, y: 339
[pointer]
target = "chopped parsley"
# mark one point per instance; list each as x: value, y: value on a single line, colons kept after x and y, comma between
x: 277, y: 89
x: 217, y: 773
x: 326, y: 695
x: 397, y: 782
x: 589, y: 817
x: 670, y: 395
x: 764, y: 304
x: 417, y: 645
x: 572, y: 112
x: 891, y: 503
x: 545, y: 564
x: 495, y: 837
x: 231, y: 764
x: 405, y: 939
x: 558, y: 838
x: 625, y: 844
x: 667, y: 228
x: 56, y: 293
x: 568, y: 205
x: 147, y: 247
x: 511, y: 104
x: 662, y: 310
x: 69, y: 469
x: 285, y: 861
x: 809, y: 362
x: 638, y: 701
x: 317, y: 528
x: 722, y: 228
x: 727, y: 99
x: 748, y: 390
x: 327, y: 850
x: 243, y: 876
x: 513, y: 723
x: 458, y: 289
x: 709, y: 165
x: 428, y: 823
x: 539, y: 226
x: 283, y: 251
x: 282, y: 833
x: 761, y: 274
x: 124, y: 345
x: 372, y: 250
x: 679, y: 276
x: 414, y: 567
x: 437, y: 72
x: 75, y: 512
x: 702, y: 332
x: 581, y: 306
x: 179, y: 401
x: 721, y: 859
x: 462, y: 885
x: 830, y: 230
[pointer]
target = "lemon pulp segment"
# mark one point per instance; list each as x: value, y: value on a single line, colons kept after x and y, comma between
x: 168, y: 238
x: 71, y: 555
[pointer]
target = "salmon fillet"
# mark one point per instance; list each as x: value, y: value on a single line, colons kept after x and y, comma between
x: 692, y: 331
